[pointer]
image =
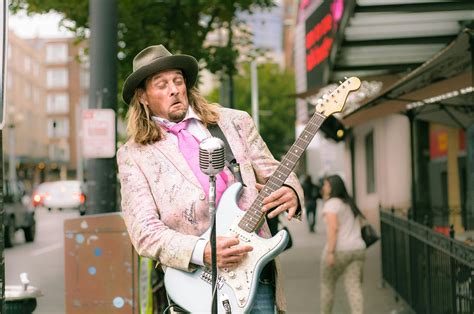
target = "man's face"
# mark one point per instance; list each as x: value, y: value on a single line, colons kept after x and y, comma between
x: 165, y: 95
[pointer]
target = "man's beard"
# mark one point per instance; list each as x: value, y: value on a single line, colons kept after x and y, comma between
x: 177, y: 116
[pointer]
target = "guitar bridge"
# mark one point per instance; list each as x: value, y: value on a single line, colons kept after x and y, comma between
x: 206, y: 275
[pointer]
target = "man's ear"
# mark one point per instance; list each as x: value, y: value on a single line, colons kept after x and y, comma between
x: 142, y: 98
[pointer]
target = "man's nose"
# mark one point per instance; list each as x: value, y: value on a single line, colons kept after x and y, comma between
x: 173, y: 89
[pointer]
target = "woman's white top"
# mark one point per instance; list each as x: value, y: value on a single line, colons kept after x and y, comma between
x: 348, y: 234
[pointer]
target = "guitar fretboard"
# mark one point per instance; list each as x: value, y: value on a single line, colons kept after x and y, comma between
x: 253, y: 217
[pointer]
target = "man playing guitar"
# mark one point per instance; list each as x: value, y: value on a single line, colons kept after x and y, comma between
x: 165, y: 201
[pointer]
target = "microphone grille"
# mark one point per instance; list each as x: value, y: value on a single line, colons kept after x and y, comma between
x: 211, y: 156
x: 213, y: 160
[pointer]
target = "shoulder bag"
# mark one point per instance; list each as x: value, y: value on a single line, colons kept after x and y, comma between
x: 369, y: 235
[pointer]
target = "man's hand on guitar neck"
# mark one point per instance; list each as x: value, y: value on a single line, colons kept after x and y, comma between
x: 228, y: 252
x: 283, y: 199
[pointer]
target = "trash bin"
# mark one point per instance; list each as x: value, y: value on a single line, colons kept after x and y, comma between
x: 21, y: 299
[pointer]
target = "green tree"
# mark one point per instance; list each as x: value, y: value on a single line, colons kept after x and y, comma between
x: 181, y: 25
x: 276, y: 107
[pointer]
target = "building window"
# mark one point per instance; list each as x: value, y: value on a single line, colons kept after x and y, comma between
x: 59, y: 152
x: 57, y: 78
x: 57, y: 103
x: 56, y: 53
x: 36, y: 69
x: 369, y: 162
x: 84, y: 78
x: 84, y: 102
x: 27, y: 64
x: 58, y: 127
x: 28, y: 91
x: 36, y: 96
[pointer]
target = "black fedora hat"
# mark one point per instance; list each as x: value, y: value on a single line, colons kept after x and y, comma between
x: 154, y: 59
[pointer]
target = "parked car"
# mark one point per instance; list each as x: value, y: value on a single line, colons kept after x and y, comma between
x: 60, y: 195
x: 19, y: 214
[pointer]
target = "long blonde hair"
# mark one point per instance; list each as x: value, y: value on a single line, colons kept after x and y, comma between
x: 143, y: 130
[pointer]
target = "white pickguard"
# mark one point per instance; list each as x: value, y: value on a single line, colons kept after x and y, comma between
x: 236, y: 287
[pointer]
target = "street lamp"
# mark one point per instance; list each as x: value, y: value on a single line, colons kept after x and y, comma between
x: 14, y: 119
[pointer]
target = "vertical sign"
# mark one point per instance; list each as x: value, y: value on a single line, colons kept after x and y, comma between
x: 321, y: 30
x: 98, y: 133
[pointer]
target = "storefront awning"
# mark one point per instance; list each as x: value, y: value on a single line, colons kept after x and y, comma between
x: 440, y: 90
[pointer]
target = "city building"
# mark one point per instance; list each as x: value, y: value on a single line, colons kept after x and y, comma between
x: 47, y: 83
x: 407, y: 134
x: 25, y: 133
x: 382, y: 42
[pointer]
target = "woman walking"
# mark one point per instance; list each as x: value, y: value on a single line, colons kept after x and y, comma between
x: 344, y: 252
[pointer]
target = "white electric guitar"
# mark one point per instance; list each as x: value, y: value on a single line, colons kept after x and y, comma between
x: 236, y: 288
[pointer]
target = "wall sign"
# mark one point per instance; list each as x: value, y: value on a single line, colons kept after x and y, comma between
x: 321, y: 31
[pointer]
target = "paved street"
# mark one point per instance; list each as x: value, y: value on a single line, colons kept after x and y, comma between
x: 43, y: 260
x: 301, y: 265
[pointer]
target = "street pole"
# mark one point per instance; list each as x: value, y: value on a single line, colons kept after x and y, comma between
x: 101, y: 173
x: 79, y: 159
x: 3, y: 41
x: 254, y: 88
x: 11, y: 157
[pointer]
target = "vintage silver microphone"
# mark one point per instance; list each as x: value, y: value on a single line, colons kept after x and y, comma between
x: 211, y: 162
x: 211, y: 156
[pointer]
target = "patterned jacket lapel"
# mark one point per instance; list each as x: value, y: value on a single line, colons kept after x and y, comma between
x: 170, y: 150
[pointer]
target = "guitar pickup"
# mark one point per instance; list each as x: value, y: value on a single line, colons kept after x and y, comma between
x: 242, y: 235
x: 206, y: 276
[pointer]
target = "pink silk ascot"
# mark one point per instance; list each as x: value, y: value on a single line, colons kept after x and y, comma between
x: 189, y: 147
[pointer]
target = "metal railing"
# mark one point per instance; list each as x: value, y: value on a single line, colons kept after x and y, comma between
x: 430, y: 271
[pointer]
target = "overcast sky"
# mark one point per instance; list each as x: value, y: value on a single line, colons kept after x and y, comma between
x: 44, y: 25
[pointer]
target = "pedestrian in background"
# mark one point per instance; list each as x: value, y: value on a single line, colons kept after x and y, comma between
x: 344, y: 252
x: 311, y: 193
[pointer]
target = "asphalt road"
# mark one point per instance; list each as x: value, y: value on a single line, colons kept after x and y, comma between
x: 42, y: 260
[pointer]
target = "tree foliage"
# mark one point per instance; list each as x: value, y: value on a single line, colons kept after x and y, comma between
x: 181, y: 25
x: 276, y: 107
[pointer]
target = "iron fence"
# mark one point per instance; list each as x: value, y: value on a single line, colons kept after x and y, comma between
x: 430, y: 271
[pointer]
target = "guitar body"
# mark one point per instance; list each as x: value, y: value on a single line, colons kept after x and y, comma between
x: 236, y: 288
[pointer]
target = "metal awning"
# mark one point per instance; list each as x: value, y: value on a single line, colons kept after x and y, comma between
x: 396, y: 36
x: 440, y: 90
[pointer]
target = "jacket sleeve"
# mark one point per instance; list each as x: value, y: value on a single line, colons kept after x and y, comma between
x: 263, y: 162
x: 148, y: 234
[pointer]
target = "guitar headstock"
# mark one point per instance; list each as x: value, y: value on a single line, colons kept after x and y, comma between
x: 335, y: 101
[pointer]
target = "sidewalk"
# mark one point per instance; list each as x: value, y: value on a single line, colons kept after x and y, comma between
x: 301, y: 270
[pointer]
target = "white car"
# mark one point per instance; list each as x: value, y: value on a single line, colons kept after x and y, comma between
x: 60, y: 195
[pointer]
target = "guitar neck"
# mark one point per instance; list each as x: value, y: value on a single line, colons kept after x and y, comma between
x: 253, y: 217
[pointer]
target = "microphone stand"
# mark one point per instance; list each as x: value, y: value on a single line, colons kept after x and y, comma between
x: 212, y: 211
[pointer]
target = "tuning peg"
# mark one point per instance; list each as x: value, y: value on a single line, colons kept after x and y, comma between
x: 319, y: 101
x: 340, y: 82
x: 345, y: 77
x: 325, y: 96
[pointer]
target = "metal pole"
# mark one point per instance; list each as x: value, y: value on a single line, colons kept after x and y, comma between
x: 3, y: 41
x: 101, y: 175
x: 254, y: 86
x: 79, y: 159
x: 470, y: 154
x: 12, y: 159
x: 413, y: 150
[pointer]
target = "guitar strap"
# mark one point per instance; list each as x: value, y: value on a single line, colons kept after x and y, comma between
x: 231, y: 163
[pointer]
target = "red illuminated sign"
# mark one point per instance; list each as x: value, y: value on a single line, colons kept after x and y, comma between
x: 321, y: 30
